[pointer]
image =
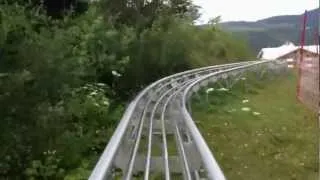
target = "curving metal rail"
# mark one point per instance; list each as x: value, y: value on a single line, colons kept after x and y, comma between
x: 157, y: 137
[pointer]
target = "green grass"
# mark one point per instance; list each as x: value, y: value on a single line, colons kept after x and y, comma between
x: 280, y: 143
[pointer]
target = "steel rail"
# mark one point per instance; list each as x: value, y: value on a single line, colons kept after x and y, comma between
x: 158, y: 92
x: 186, y: 172
x: 104, y: 164
x: 150, y: 133
x: 128, y: 174
x: 166, y: 163
x: 163, y: 129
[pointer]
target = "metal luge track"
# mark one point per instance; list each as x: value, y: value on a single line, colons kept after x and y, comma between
x: 157, y: 137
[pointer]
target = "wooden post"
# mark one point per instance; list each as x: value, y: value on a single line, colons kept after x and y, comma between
x: 318, y: 121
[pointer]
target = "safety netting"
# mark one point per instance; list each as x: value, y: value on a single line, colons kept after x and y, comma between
x: 308, y: 81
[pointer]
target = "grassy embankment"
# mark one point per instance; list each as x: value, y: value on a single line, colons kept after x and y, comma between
x: 276, y: 139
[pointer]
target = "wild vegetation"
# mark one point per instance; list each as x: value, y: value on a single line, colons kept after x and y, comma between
x: 67, y: 73
x: 258, y: 130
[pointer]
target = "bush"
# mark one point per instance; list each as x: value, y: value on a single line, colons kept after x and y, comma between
x: 64, y: 81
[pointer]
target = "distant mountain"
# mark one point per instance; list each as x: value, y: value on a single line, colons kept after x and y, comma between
x: 274, y: 31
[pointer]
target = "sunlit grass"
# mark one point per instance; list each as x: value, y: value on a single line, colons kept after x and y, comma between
x: 258, y: 130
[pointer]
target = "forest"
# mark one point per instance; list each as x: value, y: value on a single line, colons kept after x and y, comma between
x: 69, y: 68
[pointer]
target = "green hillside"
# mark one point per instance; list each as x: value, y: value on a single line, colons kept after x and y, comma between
x: 273, y: 31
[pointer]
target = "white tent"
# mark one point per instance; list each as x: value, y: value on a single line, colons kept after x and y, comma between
x: 275, y: 52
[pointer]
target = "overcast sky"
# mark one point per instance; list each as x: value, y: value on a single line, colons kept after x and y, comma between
x: 252, y: 10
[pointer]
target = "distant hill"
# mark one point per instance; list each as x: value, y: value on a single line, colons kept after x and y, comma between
x: 274, y: 31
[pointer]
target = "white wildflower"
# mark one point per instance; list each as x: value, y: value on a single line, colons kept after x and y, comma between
x: 243, y: 78
x: 246, y: 109
x: 115, y: 73
x: 209, y: 90
x: 256, y: 113
x: 93, y: 93
x: 223, y: 89
x: 245, y: 101
x: 105, y: 103
x: 100, y: 84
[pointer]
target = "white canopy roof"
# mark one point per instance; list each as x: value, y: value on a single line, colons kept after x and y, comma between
x: 275, y: 52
